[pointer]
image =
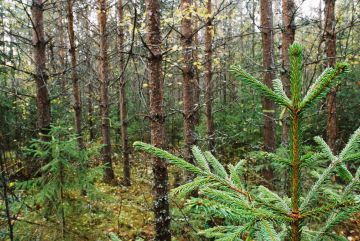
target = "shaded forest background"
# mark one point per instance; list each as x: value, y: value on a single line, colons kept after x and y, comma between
x: 85, y: 79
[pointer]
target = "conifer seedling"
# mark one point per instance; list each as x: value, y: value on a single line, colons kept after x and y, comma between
x: 255, y: 212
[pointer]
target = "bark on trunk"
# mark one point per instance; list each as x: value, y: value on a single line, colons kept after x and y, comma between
x: 77, y: 105
x: 288, y: 37
x: 330, y: 45
x: 188, y: 79
x: 197, y: 90
x: 91, y: 112
x: 157, y: 121
x: 208, y: 81
x: 41, y: 76
x: 104, y: 98
x: 62, y: 55
x: 90, y: 97
x: 267, y: 34
x: 122, y: 100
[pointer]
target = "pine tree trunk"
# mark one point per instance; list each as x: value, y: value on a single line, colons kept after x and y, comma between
x: 91, y: 112
x: 62, y: 55
x: 41, y: 76
x: 253, y: 45
x: 330, y: 45
x: 288, y: 37
x: 197, y: 90
x: 75, y: 80
x: 188, y: 79
x: 208, y: 81
x: 267, y: 35
x: 122, y: 99
x: 90, y: 91
x: 104, y: 98
x: 157, y: 121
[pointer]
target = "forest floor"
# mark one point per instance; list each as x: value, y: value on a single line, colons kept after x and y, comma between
x: 127, y: 212
x: 131, y: 209
x: 132, y: 218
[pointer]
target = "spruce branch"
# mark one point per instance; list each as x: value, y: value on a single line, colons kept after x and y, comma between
x: 249, y: 80
x: 323, y: 84
x: 218, y: 168
x: 235, y: 173
x: 270, y: 196
x: 279, y: 90
x: 200, y: 159
x: 169, y: 157
x: 268, y: 232
x: 351, y: 145
x: 336, y: 162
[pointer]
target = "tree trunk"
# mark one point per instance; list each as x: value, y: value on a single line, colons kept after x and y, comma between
x: 41, y: 77
x: 75, y: 80
x: 330, y: 45
x: 288, y: 37
x: 208, y: 81
x: 267, y: 34
x: 104, y: 98
x: 157, y: 121
x: 188, y: 79
x: 89, y: 76
x: 253, y: 43
x: 122, y: 100
x: 62, y: 55
x: 197, y: 90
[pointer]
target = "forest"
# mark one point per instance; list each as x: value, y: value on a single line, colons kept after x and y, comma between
x: 182, y: 120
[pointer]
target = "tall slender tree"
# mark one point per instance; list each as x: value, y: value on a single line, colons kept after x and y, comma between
x: 77, y: 105
x: 197, y: 91
x: 267, y: 35
x: 330, y: 49
x: 104, y: 96
x: 157, y: 120
x: 288, y: 37
x: 208, y: 79
x: 122, y: 98
x: 89, y: 76
x: 41, y: 75
x: 188, y: 78
x: 61, y: 49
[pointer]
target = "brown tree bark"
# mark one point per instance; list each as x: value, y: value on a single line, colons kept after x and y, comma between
x: 197, y: 90
x: 104, y: 97
x: 330, y: 49
x: 267, y: 35
x: 77, y: 105
x: 41, y: 76
x: 288, y: 37
x: 89, y: 76
x: 188, y: 79
x: 61, y: 50
x: 122, y: 99
x: 208, y: 80
x: 157, y: 120
x: 91, y: 112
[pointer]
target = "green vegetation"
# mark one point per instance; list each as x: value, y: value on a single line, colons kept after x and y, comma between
x: 256, y: 212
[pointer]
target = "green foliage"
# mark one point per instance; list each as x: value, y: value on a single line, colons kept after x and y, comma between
x: 258, y: 212
x: 242, y: 75
x: 66, y: 174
